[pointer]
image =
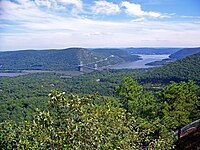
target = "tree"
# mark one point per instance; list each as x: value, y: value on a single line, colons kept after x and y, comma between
x: 180, y: 104
x: 74, y: 122
x: 135, y: 99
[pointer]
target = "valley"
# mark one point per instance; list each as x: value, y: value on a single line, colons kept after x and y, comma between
x: 99, y: 75
x: 24, y: 93
x: 61, y: 60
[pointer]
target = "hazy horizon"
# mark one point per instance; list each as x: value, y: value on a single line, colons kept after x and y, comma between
x: 39, y: 49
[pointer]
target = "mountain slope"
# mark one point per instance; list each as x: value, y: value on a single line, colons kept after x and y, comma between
x: 184, y: 53
x: 175, y: 56
x: 119, y: 53
x: 183, y: 69
x: 65, y: 59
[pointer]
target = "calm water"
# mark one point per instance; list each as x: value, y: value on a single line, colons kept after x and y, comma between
x: 11, y: 74
x: 140, y: 63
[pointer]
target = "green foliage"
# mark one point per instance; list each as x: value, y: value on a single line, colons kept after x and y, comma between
x: 175, y: 106
x: 182, y: 53
x: 96, y: 122
x: 103, y: 82
x: 134, y: 119
x: 19, y: 96
x: 180, y: 104
x: 181, y: 70
x: 135, y: 100
x: 80, y: 124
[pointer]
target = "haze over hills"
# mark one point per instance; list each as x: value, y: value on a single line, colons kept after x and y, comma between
x: 64, y: 59
x: 151, y: 51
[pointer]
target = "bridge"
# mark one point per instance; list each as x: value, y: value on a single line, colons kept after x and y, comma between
x: 81, y: 65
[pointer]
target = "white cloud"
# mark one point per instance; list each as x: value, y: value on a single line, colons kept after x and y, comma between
x: 76, y: 6
x: 24, y: 12
x: 133, y: 9
x: 32, y: 27
x: 138, y: 20
x: 191, y: 17
x: 50, y: 4
x: 104, y: 7
x: 77, y: 3
x: 30, y: 11
x: 89, y: 33
x: 44, y: 3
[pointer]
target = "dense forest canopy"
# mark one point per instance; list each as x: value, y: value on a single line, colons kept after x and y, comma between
x: 20, y: 95
x: 137, y: 119
x: 108, y: 109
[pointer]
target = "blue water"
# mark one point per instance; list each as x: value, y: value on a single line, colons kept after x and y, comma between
x: 140, y: 63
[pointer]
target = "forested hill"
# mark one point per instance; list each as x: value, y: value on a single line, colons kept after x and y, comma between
x: 183, y: 69
x: 184, y: 53
x: 122, y: 54
x: 65, y: 59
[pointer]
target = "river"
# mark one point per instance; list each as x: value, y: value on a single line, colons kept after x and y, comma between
x: 140, y: 63
x: 129, y: 65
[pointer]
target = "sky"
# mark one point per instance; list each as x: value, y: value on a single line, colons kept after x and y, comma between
x: 49, y: 24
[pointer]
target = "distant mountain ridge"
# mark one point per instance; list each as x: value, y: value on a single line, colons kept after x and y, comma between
x: 151, y: 51
x: 58, y: 60
x: 184, y: 53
